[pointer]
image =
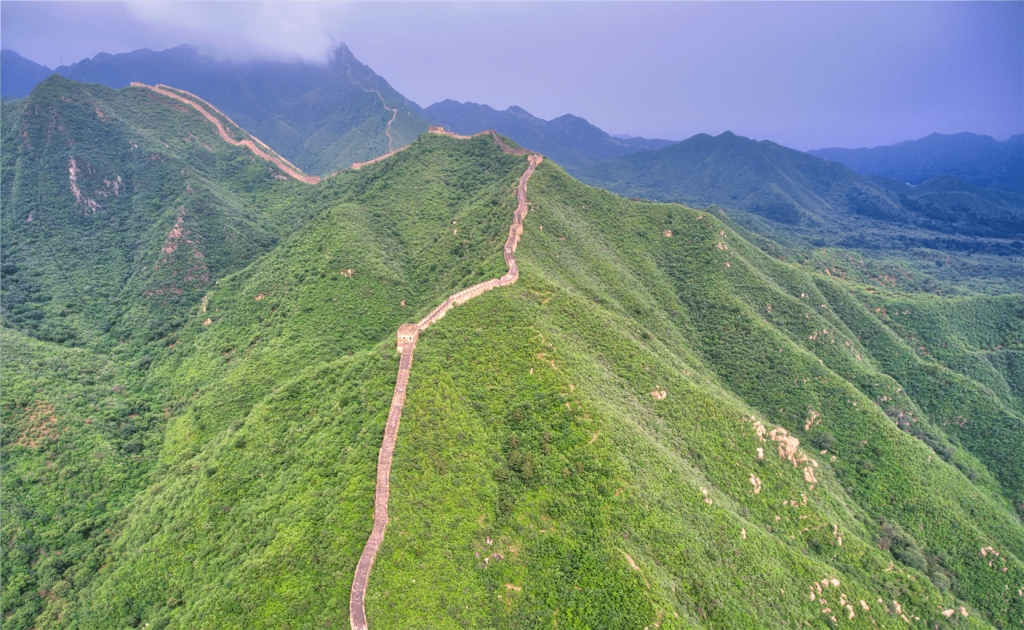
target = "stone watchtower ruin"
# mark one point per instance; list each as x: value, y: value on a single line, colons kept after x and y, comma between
x: 407, y: 333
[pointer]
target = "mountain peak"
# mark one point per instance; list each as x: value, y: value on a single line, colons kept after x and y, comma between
x: 20, y: 75
x: 520, y: 113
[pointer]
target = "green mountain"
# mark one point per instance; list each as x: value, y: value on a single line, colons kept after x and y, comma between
x: 569, y: 140
x: 321, y: 117
x: 796, y: 198
x: 658, y: 423
x: 980, y: 160
x: 324, y: 118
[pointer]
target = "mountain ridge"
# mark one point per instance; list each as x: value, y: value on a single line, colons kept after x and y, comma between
x: 569, y: 140
x: 19, y: 75
x: 239, y: 89
x: 978, y: 159
x: 321, y: 117
x: 798, y: 198
x: 660, y: 422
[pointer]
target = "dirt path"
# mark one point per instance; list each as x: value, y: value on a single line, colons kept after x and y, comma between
x: 357, y: 610
x: 194, y: 102
x: 387, y: 130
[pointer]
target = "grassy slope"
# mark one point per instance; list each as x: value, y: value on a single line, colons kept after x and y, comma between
x: 491, y: 452
x: 532, y: 454
x: 94, y: 278
x: 150, y: 168
x: 296, y: 376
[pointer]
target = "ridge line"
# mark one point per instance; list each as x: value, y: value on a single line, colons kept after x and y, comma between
x: 278, y: 161
x: 408, y: 334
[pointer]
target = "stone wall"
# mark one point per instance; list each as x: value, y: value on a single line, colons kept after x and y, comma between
x: 198, y: 104
x: 408, y: 335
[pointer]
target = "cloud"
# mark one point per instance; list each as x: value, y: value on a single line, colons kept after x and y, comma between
x: 238, y: 31
x: 803, y: 74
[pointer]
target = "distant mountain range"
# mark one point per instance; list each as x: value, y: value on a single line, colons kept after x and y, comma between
x: 324, y: 118
x: 569, y: 140
x: 979, y: 160
x: 825, y: 198
x: 942, y: 191
x: 19, y: 75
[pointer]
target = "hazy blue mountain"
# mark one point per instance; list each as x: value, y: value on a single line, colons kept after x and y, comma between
x: 569, y: 140
x: 321, y: 117
x: 19, y: 75
x: 822, y: 201
x: 980, y: 160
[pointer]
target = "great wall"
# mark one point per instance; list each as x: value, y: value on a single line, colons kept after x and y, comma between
x: 408, y: 334
x: 201, y: 106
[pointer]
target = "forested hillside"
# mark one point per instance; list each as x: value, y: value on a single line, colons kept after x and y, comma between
x: 321, y: 117
x: 944, y: 227
x: 661, y: 423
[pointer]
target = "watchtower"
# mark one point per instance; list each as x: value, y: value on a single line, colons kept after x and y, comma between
x: 407, y: 333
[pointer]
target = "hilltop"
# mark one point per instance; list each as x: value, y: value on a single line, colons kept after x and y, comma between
x: 569, y: 140
x: 658, y: 423
x: 20, y: 75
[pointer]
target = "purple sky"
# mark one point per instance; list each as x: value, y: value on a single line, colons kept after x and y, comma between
x: 806, y: 75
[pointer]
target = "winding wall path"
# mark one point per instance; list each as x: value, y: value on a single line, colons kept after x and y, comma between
x: 357, y: 611
x: 410, y: 332
x: 394, y: 114
x: 194, y: 102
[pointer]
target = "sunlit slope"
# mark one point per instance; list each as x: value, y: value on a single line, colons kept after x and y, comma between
x: 640, y: 431
x: 539, y: 461
x: 278, y: 388
x: 979, y: 337
x: 121, y: 208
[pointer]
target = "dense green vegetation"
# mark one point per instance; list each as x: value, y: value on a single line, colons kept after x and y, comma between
x: 320, y: 117
x: 668, y: 420
x: 943, y: 227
